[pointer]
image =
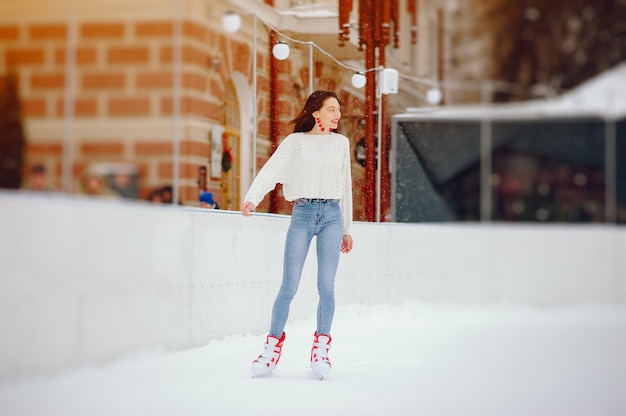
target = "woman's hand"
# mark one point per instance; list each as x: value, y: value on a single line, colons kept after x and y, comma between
x: 246, y: 208
x: 346, y: 243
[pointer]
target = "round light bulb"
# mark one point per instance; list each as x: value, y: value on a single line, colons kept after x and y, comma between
x: 231, y: 22
x: 434, y: 95
x: 358, y: 80
x: 280, y: 51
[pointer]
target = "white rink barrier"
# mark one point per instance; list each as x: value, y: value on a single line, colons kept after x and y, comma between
x: 86, y: 281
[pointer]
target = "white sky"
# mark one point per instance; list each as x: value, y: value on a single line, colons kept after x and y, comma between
x: 409, y: 359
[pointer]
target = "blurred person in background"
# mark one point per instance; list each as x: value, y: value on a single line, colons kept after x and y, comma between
x: 37, y: 179
x: 94, y: 183
x: 155, y: 196
x: 207, y: 201
x: 166, y: 194
x: 122, y: 183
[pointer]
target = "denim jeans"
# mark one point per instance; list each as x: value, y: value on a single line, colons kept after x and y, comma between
x: 310, y: 218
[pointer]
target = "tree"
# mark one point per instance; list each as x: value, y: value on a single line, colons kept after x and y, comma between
x: 553, y: 43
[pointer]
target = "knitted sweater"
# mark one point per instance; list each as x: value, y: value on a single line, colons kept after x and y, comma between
x: 309, y: 166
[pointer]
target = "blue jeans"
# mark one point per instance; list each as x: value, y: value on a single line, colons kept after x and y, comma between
x: 310, y: 218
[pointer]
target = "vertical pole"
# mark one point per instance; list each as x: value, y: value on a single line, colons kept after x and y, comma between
x: 440, y: 52
x: 379, y: 165
x: 370, y: 106
x: 273, y: 197
x: 254, y: 98
x: 310, y: 68
x: 486, y: 192
x: 392, y: 168
x: 176, y: 98
x: 610, y: 179
x: 383, y: 139
x: 69, y: 99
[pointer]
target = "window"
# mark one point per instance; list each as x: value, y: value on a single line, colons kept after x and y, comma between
x: 509, y: 169
x: 548, y: 170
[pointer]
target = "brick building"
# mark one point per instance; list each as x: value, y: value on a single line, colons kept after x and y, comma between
x: 161, y: 86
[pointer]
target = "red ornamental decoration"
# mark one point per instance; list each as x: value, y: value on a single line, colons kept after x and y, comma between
x: 227, y: 160
x: 376, y: 20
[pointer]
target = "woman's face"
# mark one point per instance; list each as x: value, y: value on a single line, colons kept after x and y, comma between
x: 329, y: 114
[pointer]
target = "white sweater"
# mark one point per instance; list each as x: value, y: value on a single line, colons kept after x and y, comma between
x: 309, y: 166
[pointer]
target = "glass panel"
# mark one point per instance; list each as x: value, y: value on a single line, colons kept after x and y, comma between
x: 437, y: 171
x: 548, y: 170
x: 621, y: 170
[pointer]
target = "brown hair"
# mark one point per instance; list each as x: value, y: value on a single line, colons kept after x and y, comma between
x: 305, y: 121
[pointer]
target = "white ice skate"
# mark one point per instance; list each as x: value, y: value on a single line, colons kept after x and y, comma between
x: 320, y: 364
x: 267, y: 361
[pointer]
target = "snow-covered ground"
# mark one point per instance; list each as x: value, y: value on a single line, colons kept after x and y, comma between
x: 409, y: 359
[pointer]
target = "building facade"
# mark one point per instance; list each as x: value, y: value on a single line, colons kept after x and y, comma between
x: 162, y: 87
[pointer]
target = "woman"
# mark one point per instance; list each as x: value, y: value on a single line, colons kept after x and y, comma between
x: 313, y: 165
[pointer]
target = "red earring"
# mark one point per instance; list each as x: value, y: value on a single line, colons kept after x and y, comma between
x: 319, y: 123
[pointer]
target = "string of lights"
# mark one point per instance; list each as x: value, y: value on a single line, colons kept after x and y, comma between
x: 232, y: 21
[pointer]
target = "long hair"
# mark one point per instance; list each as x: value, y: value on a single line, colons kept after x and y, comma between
x: 305, y: 121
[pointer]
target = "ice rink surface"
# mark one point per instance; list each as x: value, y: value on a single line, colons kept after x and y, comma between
x: 408, y: 359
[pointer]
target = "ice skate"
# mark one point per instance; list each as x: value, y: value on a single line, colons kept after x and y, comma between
x: 320, y: 364
x: 267, y: 361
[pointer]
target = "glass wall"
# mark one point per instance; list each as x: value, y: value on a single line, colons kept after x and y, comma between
x: 437, y: 175
x: 531, y: 170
